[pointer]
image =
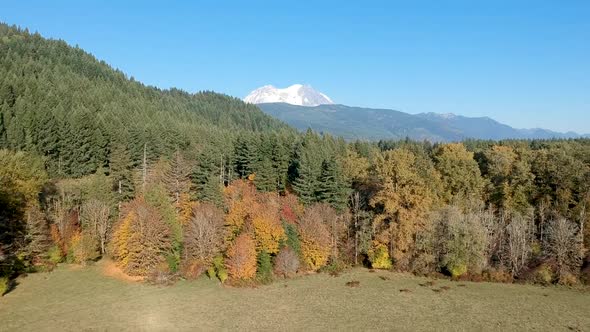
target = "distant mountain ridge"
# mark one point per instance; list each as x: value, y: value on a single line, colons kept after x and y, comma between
x: 376, y: 124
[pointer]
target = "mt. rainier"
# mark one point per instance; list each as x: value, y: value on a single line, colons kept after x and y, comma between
x: 297, y: 94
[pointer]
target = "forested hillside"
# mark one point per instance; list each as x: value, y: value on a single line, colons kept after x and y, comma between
x: 173, y: 185
x: 75, y: 111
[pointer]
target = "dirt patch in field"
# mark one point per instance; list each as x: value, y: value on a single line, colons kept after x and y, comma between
x: 353, y: 283
x: 110, y: 269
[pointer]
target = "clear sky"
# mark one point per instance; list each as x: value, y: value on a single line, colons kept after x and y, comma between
x: 524, y: 63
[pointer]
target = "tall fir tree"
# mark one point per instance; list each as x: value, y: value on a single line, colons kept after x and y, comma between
x: 121, y: 172
x: 333, y: 188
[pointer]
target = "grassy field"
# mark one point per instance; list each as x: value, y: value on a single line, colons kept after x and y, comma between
x: 85, y: 299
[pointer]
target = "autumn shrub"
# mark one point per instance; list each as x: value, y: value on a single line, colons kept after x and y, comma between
x: 264, y: 268
x: 4, y: 285
x: 498, y: 275
x: 173, y: 259
x: 241, y: 258
x: 222, y: 275
x: 286, y: 263
x: 379, y: 257
x: 456, y: 268
x: 54, y: 255
x: 543, y: 274
x: 193, y: 269
x: 568, y: 279
x: 217, y: 269
x: 334, y: 267
x: 161, y: 275
x: 211, y: 272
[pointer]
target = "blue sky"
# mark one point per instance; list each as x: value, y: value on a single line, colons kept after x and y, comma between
x: 525, y: 63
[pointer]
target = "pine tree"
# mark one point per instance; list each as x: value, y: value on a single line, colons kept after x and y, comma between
x: 264, y: 267
x: 265, y: 179
x: 48, y: 143
x: 280, y: 160
x: 332, y: 188
x: 212, y: 191
x: 306, y: 182
x: 99, y: 148
x: 177, y: 179
x: 245, y: 156
x: 121, y: 172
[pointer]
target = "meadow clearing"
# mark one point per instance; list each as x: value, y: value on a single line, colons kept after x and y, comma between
x: 95, y: 298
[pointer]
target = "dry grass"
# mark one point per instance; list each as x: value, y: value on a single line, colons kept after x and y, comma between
x: 110, y: 269
x: 84, y: 299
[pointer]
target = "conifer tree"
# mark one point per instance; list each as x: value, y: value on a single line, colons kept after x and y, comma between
x: 306, y: 182
x: 121, y: 172
x: 245, y: 156
x: 332, y: 187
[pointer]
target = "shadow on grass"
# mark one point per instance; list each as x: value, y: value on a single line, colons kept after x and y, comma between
x: 10, y: 286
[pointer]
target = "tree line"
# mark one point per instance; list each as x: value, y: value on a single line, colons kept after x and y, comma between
x: 479, y: 210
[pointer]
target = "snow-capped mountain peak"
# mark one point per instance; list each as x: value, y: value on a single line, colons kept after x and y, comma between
x: 296, y: 94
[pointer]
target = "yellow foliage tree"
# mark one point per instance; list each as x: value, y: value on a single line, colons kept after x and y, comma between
x: 268, y: 231
x: 142, y: 239
x: 120, y: 240
x: 354, y: 166
x: 405, y: 198
x: 266, y: 223
x: 460, y: 173
x: 379, y: 256
x: 316, y: 242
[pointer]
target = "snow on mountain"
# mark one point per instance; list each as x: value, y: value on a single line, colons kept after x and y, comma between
x: 296, y: 94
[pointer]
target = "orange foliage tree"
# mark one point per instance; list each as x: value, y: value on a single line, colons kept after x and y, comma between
x: 255, y: 213
x: 241, y: 258
x: 240, y: 200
